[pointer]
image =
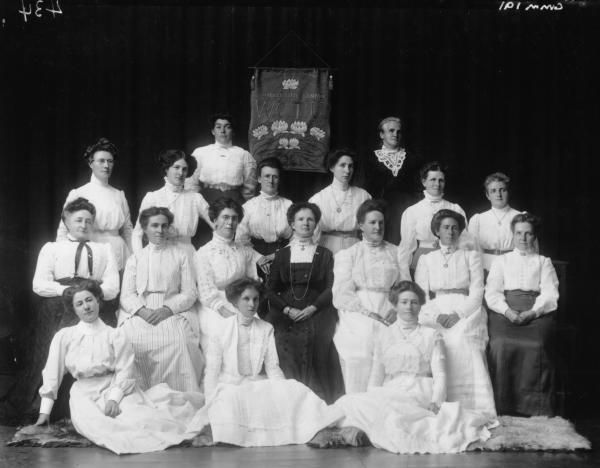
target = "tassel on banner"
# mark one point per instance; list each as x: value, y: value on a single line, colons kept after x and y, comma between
x: 330, y: 82
x: 253, y: 82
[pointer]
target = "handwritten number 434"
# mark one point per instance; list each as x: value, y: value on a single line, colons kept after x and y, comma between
x: 39, y: 8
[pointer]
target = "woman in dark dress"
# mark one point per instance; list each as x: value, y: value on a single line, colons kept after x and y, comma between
x: 300, y: 307
x: 390, y: 174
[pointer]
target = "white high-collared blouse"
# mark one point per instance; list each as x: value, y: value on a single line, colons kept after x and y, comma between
x: 265, y: 217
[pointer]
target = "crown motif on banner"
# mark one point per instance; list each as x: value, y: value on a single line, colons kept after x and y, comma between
x: 290, y: 84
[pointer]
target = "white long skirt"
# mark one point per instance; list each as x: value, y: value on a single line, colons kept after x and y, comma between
x: 149, y: 421
x: 265, y: 413
x: 468, y: 379
x: 355, y: 340
x: 395, y: 418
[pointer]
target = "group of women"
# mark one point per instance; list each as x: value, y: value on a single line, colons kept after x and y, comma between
x: 345, y: 338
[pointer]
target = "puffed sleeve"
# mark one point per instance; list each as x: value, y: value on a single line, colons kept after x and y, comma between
x: 127, y: 228
x: 110, y: 277
x: 438, y: 370
x: 187, y: 290
x: 272, y: 368
x: 138, y: 232
x: 203, y: 209
x: 61, y: 232
x: 474, y: 231
x: 344, y: 288
x: 316, y: 199
x: 54, y: 370
x: 475, y: 297
x: 249, y: 182
x: 547, y: 301
x: 252, y: 256
x: 193, y: 182
x: 408, y: 243
x: 242, y: 234
x: 494, y: 288
x: 43, y: 279
x: 214, y: 361
x: 208, y: 293
x: 429, y: 312
x: 124, y: 378
x: 466, y: 239
x: 130, y: 301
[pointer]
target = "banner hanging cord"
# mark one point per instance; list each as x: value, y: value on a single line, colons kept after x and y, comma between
x: 302, y: 41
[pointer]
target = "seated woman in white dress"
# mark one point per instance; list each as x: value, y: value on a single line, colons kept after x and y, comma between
x: 491, y: 229
x: 452, y: 279
x: 112, y: 224
x: 363, y: 275
x: 186, y: 205
x: 220, y: 262
x: 60, y: 264
x: 157, y: 309
x: 405, y: 409
x: 338, y: 202
x: 106, y: 405
x: 249, y: 401
x: 522, y: 295
x: 416, y: 237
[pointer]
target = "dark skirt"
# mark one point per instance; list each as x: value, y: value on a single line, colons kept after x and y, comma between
x: 22, y: 403
x: 306, y: 350
x: 521, y: 360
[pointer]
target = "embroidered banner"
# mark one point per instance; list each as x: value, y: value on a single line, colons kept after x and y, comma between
x: 290, y: 117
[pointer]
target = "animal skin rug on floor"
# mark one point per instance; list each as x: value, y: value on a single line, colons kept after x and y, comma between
x: 513, y: 434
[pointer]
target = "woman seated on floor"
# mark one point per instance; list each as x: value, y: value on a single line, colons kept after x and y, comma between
x: 60, y: 264
x: 404, y: 409
x: 157, y: 309
x: 522, y: 295
x: 244, y: 406
x: 106, y: 405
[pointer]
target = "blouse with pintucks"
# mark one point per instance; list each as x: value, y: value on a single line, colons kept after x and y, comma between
x: 219, y: 263
x: 88, y: 350
x: 526, y: 271
x: 187, y: 208
x: 338, y: 207
x: 224, y: 164
x: 265, y: 217
x: 112, y: 223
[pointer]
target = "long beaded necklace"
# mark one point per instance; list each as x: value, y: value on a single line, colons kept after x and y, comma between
x: 312, y: 264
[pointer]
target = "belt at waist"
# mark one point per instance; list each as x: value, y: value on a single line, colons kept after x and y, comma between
x: 379, y: 290
x: 108, y: 232
x: 344, y: 234
x: 222, y: 187
x: 182, y: 239
x: 496, y: 251
x: 443, y: 292
x: 428, y: 244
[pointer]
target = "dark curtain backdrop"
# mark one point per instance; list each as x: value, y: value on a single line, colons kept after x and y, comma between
x: 480, y: 89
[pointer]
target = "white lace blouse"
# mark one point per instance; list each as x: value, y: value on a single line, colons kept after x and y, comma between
x: 403, y: 352
x: 525, y: 271
x: 88, y: 350
x: 187, y: 207
x: 264, y: 218
x: 219, y: 263
x: 338, y: 207
x: 218, y: 164
x: 364, y: 267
